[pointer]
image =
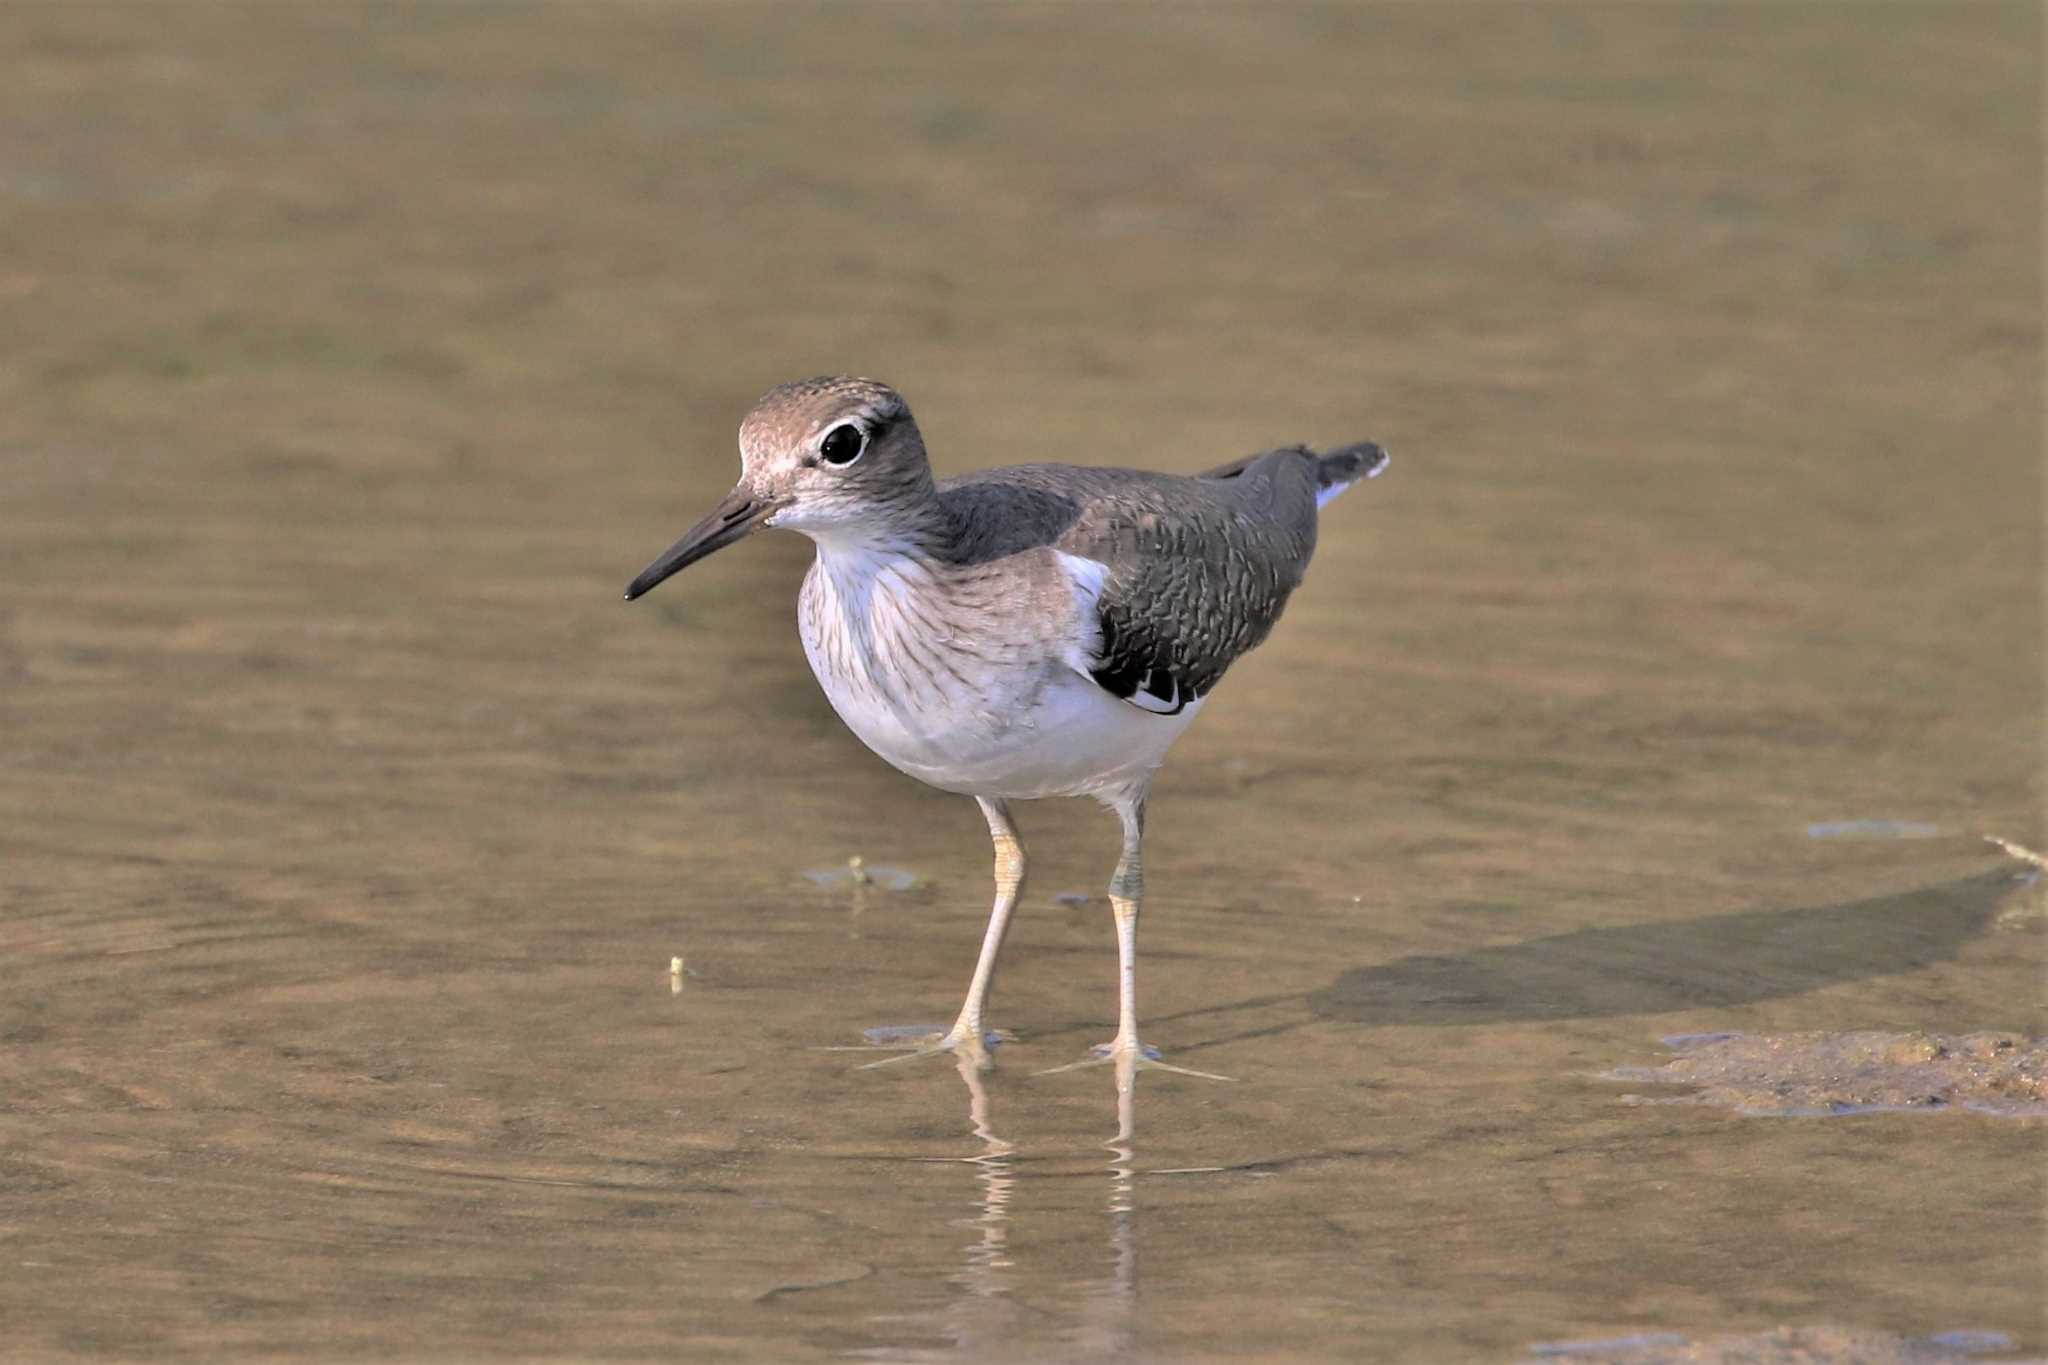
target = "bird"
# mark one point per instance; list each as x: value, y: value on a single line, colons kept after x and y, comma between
x: 1016, y: 633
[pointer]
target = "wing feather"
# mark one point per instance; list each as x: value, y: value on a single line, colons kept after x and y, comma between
x: 1196, y: 572
x: 1183, y: 575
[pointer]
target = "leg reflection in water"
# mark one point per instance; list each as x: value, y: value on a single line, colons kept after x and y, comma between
x: 983, y: 1272
x: 1001, y: 1310
x: 1105, y: 1328
x: 982, y: 1320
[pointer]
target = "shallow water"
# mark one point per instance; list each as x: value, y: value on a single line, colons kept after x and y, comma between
x: 350, y: 825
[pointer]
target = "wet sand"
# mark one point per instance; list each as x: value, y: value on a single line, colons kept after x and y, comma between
x: 1832, y: 1074
x: 349, y: 823
x: 1783, y: 1346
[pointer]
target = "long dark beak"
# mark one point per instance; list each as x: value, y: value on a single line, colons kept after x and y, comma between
x: 741, y: 513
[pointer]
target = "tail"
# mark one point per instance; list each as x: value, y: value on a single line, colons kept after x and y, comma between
x: 1337, y: 470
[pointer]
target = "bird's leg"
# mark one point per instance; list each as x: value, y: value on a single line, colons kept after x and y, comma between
x: 1126, y: 890
x: 1009, y: 847
x: 967, y: 1035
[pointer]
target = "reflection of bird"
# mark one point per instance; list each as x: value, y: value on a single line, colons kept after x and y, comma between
x: 1040, y: 630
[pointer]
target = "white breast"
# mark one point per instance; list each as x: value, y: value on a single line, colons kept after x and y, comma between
x: 955, y: 691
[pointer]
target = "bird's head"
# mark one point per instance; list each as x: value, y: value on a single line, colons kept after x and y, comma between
x: 837, y: 458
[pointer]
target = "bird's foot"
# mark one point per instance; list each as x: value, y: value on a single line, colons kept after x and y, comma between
x: 912, y: 1042
x: 1130, y: 1052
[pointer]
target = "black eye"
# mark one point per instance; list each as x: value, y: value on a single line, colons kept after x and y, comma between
x: 843, y: 444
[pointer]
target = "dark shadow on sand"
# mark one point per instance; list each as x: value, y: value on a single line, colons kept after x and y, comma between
x: 1713, y: 962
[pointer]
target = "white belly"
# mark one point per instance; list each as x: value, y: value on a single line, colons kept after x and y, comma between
x: 998, y: 714
x: 1064, y: 737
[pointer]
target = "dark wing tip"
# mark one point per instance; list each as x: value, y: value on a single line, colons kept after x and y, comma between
x: 1154, y: 690
x: 1145, y: 683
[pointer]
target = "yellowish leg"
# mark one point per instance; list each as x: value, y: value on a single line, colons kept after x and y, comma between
x: 967, y: 1035
x: 1126, y: 890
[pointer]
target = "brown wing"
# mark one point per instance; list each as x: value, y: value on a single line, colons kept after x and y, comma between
x: 1197, y: 574
x: 1195, y: 570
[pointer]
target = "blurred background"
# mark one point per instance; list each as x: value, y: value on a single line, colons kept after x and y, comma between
x: 356, y: 356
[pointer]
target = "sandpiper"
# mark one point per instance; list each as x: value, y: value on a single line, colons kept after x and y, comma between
x: 1038, y: 630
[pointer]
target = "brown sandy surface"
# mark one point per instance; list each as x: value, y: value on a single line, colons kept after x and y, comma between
x: 356, y: 356
x: 1824, y: 1073
x: 1784, y: 1346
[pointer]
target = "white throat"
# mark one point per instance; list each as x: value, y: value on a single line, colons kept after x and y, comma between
x: 871, y: 581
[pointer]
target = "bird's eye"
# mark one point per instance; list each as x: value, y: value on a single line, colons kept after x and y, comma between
x: 843, y: 444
